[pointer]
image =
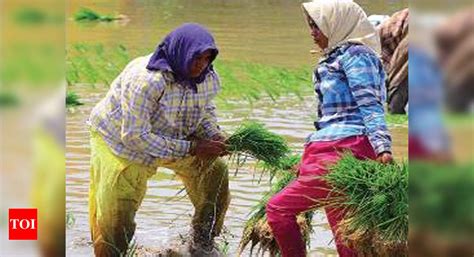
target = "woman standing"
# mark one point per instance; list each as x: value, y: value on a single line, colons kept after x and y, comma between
x: 349, y: 84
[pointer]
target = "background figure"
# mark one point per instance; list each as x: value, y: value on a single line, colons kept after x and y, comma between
x: 428, y: 139
x: 454, y: 40
x: 394, y: 39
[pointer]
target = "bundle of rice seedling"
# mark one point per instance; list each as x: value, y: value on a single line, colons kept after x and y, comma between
x: 257, y: 232
x: 252, y: 139
x: 375, y: 197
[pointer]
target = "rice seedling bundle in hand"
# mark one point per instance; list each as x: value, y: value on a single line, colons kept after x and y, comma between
x: 254, y: 140
x: 375, y: 196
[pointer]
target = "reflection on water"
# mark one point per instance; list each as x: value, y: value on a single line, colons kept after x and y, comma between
x: 268, y: 32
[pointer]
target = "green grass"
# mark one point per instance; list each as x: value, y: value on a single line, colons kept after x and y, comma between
x: 86, y: 14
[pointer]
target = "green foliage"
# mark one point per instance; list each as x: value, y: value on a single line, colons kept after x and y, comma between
x: 86, y: 14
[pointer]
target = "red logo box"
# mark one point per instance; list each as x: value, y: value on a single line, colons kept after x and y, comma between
x: 23, y: 224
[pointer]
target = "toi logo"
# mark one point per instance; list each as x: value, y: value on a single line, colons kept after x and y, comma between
x: 22, y: 224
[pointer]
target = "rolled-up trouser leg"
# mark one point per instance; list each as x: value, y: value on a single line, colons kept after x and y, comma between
x: 208, y: 190
x: 117, y: 189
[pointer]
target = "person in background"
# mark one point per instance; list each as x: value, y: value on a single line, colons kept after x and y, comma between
x: 349, y: 82
x: 159, y: 112
x: 455, y: 48
x: 393, y: 34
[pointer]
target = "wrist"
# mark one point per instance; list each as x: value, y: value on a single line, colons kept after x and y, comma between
x: 384, y: 152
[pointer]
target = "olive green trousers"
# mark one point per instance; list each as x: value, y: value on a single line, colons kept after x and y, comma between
x: 118, y: 186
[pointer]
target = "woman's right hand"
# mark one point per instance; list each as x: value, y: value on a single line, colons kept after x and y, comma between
x: 207, y: 149
x: 385, y: 158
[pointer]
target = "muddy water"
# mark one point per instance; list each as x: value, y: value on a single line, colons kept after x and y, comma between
x: 268, y: 32
x: 264, y: 31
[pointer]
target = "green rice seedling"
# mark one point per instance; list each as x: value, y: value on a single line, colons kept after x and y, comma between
x: 86, y: 14
x: 72, y: 99
x: 30, y: 16
x: 253, y: 139
x: 287, y: 164
x: 100, y: 64
x: 257, y: 232
x: 375, y: 197
x: 252, y: 81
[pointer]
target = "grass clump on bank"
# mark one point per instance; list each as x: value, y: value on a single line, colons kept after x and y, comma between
x: 86, y: 14
x: 375, y: 196
x: 72, y: 99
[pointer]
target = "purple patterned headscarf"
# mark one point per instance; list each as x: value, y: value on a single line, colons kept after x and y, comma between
x: 177, y: 51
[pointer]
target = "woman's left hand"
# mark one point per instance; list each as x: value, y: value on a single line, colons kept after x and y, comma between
x: 219, y: 137
x: 385, y: 158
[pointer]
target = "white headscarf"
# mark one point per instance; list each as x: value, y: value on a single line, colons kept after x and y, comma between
x: 343, y: 21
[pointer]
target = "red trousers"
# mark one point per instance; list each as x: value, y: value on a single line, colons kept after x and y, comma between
x: 300, y: 195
